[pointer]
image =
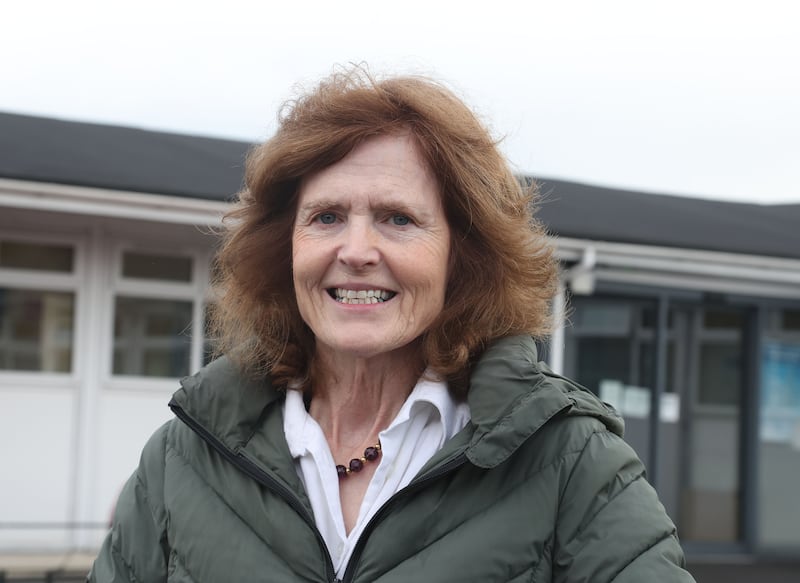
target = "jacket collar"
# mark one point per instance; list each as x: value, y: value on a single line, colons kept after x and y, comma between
x: 511, y: 396
x: 225, y: 402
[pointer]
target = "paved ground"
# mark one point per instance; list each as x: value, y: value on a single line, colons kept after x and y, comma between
x: 29, y: 567
x: 756, y: 573
x: 22, y: 568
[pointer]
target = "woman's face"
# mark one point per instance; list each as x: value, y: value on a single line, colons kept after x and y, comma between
x: 370, y: 249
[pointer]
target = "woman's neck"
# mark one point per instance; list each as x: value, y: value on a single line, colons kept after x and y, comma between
x: 355, y: 398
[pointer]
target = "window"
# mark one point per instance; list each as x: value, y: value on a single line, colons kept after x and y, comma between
x: 156, y: 267
x: 157, y: 305
x: 779, y: 439
x: 36, y: 256
x: 611, y: 348
x: 36, y: 330
x: 37, y: 306
x: 719, y: 339
x: 152, y: 337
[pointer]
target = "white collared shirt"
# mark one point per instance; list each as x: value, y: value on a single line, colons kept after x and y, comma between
x: 427, y: 419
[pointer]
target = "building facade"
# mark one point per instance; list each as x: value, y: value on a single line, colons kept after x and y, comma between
x: 684, y: 314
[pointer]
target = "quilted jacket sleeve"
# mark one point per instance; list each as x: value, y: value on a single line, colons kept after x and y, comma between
x: 136, y: 548
x: 611, y: 525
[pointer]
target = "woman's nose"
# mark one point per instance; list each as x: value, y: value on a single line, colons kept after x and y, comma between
x: 359, y: 246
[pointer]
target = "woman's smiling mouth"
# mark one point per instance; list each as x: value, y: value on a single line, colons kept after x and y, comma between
x: 361, y: 296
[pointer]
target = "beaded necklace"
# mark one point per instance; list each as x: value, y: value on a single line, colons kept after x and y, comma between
x: 371, y: 454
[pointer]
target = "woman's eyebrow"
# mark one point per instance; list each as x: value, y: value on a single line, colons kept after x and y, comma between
x: 318, y: 205
x: 400, y: 204
x: 393, y: 205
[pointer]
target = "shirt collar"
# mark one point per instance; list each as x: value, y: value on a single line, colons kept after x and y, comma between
x: 428, y: 394
x: 295, y: 418
x: 432, y: 393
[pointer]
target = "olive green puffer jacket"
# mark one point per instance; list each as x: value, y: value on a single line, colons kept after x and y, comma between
x: 539, y: 487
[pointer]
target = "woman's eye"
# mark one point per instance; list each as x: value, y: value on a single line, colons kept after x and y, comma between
x: 327, y: 218
x: 400, y: 220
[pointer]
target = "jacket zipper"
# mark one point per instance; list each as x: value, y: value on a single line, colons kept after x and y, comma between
x: 415, y: 485
x: 445, y: 468
x: 244, y: 464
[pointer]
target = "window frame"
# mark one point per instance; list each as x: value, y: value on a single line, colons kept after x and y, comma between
x: 49, y: 281
x: 194, y: 291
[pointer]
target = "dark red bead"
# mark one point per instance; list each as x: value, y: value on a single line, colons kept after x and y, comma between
x: 357, y: 464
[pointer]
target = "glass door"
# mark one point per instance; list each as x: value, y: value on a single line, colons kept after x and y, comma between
x: 709, y: 440
x: 779, y: 434
x: 610, y: 347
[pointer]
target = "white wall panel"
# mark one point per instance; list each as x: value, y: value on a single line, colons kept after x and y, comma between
x: 126, y: 420
x: 37, y: 431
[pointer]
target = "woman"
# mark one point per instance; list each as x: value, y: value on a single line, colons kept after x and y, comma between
x: 381, y: 415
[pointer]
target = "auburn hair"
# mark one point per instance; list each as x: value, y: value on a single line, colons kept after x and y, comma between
x: 502, y: 274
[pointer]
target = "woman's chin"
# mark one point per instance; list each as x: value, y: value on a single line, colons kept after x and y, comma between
x: 367, y: 347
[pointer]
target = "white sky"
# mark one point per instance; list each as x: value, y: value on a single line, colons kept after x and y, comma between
x: 696, y: 97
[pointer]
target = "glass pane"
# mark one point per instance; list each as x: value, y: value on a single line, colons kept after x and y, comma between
x: 715, y: 319
x: 650, y: 318
x: 160, y: 267
x: 605, y: 351
x: 790, y: 320
x: 711, y: 492
x: 601, y: 359
x: 602, y: 316
x: 36, y: 330
x: 37, y: 256
x: 647, y: 364
x: 720, y: 373
x: 711, y: 498
x: 779, y: 471
x: 152, y: 337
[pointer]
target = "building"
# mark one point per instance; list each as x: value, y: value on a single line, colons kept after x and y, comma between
x: 683, y: 313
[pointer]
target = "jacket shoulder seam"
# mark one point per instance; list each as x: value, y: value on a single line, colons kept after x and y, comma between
x: 587, y: 520
x: 594, y: 433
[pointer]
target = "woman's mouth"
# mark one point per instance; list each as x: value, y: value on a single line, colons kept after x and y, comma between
x: 361, y: 296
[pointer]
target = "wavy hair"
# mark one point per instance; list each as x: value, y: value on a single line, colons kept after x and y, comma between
x: 502, y: 274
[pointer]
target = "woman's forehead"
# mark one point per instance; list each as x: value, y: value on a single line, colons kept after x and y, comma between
x: 381, y: 168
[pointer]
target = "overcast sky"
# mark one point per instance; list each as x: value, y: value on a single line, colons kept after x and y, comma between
x: 697, y: 97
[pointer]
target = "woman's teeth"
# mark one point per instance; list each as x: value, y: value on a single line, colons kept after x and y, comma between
x: 362, y: 296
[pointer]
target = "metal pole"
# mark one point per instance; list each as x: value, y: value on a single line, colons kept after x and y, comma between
x: 750, y: 451
x: 556, y: 355
x: 659, y: 387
